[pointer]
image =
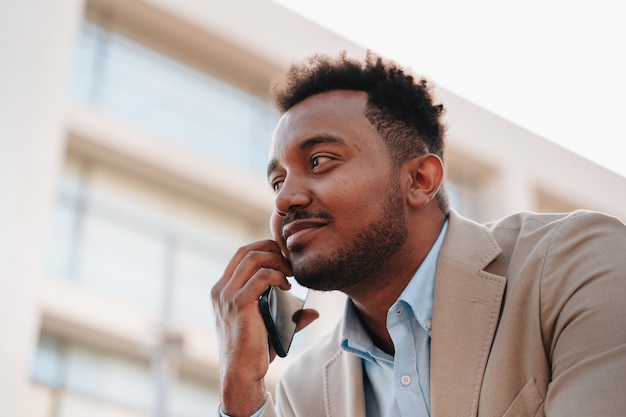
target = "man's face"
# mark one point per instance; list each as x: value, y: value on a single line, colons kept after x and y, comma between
x: 339, y: 211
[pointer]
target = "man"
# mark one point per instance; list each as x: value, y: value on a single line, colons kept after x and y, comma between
x: 445, y: 317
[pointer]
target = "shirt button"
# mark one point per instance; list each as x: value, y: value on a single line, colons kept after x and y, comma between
x: 429, y: 324
x: 405, y: 380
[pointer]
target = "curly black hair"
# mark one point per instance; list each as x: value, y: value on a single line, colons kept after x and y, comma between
x: 400, y: 107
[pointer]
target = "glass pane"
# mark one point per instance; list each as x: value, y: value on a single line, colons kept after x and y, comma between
x: 465, y: 198
x: 195, y: 273
x: 48, y: 363
x: 191, y: 398
x: 122, y: 260
x: 173, y: 100
x: 124, y: 197
x: 71, y: 405
x: 65, y: 222
x: 107, y: 377
x: 100, y: 383
x: 87, y: 62
x: 62, y: 237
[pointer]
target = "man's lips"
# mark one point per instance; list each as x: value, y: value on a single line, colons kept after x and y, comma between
x: 296, y: 230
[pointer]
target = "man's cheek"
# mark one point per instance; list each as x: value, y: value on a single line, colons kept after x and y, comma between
x: 276, y: 225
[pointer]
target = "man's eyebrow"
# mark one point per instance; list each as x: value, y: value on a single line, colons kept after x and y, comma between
x: 316, y: 140
x: 307, y: 144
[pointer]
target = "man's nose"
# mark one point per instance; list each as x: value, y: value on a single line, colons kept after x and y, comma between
x: 292, y: 195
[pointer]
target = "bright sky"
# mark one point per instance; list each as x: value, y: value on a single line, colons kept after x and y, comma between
x: 555, y: 67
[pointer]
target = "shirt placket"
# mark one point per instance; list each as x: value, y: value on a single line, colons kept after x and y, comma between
x: 410, y: 350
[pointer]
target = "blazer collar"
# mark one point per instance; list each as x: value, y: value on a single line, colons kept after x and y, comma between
x: 465, y: 315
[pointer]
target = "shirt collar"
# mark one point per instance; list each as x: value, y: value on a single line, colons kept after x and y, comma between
x: 419, y: 294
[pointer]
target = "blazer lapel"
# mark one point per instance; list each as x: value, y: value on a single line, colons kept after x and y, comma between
x: 465, y: 315
x: 343, y: 386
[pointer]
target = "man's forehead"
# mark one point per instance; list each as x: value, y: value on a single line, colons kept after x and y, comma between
x: 321, y: 110
x: 318, y: 116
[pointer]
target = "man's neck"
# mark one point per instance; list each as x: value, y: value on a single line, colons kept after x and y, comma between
x: 374, y: 296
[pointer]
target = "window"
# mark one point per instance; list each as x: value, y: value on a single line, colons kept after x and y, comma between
x: 464, y: 199
x: 91, y: 381
x: 172, y: 100
x: 468, y: 184
x: 141, y: 242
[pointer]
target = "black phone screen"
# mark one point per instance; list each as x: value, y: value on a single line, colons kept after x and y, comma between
x: 279, y: 310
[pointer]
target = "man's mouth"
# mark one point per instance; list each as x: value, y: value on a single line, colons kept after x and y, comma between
x: 297, y: 231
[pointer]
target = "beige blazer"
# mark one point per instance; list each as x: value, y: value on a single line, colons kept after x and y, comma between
x: 529, y: 320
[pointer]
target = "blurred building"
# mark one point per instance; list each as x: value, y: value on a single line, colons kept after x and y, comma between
x: 133, y: 139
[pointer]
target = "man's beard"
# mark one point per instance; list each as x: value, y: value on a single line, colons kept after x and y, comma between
x: 371, y: 248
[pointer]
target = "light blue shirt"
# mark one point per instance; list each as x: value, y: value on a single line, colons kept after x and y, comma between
x: 399, y: 386
x: 409, y: 322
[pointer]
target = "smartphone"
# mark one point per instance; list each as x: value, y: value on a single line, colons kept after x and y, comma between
x: 280, y: 310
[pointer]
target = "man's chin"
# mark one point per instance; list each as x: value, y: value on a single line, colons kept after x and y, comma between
x: 297, y: 255
x: 303, y: 269
x: 298, y: 262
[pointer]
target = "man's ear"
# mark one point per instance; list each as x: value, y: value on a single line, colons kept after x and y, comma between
x: 426, y: 176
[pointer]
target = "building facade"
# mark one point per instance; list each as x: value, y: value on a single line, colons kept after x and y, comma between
x: 133, y: 139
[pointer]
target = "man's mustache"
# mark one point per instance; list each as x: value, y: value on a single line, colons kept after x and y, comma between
x: 305, y: 215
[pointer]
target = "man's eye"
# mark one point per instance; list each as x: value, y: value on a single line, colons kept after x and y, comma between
x: 276, y: 185
x: 319, y: 159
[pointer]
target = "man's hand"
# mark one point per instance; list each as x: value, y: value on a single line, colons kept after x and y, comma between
x: 245, y: 353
